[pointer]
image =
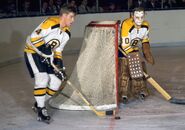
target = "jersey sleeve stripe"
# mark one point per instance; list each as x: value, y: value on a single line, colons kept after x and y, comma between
x: 39, y: 43
x: 55, y: 26
x: 145, y: 40
x: 58, y: 55
x: 68, y: 32
x: 144, y: 26
x: 130, y: 30
x: 34, y: 41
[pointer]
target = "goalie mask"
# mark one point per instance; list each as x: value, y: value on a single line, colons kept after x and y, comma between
x: 138, y: 16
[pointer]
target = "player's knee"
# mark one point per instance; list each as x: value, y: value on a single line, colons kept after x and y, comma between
x: 41, y: 80
x: 55, y: 82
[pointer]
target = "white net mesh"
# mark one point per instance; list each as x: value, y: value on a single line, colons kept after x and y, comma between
x: 94, y: 74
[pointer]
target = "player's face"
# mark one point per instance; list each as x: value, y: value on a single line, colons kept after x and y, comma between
x: 69, y: 19
x: 139, y: 17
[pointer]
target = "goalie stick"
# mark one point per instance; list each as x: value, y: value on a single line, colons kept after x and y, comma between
x: 158, y: 87
x: 98, y: 113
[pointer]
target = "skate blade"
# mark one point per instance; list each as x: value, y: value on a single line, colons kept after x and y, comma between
x: 141, y: 98
x: 44, y: 121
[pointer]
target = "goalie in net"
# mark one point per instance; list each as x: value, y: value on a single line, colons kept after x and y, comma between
x: 134, y: 31
x: 95, y: 73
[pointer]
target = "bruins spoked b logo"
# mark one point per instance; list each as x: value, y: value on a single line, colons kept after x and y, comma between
x: 135, y: 41
x: 54, y: 43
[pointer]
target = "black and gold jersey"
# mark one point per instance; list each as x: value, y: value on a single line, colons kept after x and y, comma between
x: 131, y: 35
x: 49, y: 33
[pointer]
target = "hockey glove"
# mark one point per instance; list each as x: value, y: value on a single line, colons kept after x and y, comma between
x: 61, y: 74
x: 147, y: 53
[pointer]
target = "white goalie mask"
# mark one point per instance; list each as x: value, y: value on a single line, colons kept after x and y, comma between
x: 139, y: 17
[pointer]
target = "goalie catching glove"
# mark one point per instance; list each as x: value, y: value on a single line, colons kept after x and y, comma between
x: 147, y: 53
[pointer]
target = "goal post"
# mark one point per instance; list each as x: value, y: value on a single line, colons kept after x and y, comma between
x: 95, y: 74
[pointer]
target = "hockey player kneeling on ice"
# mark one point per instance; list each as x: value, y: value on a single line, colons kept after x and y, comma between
x: 45, y: 46
x: 134, y: 31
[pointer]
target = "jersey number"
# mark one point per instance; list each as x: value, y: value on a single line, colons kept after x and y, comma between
x: 133, y: 42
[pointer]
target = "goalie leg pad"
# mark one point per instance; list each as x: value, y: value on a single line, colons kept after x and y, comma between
x: 138, y: 87
x: 135, y: 65
x: 123, y: 78
x: 144, y: 66
x: 144, y: 88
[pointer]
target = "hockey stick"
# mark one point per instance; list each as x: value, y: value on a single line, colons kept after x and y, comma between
x: 158, y: 87
x: 98, y: 113
x: 162, y: 91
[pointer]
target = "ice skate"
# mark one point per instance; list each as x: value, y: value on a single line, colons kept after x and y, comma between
x: 124, y: 99
x: 142, y: 96
x: 43, y: 115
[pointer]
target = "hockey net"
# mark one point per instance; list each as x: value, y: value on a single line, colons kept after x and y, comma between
x: 95, y: 73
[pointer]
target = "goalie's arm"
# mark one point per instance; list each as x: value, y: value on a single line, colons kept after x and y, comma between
x: 146, y: 49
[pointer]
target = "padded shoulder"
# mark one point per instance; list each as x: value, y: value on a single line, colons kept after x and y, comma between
x: 145, y: 24
x: 50, y: 22
x: 67, y: 30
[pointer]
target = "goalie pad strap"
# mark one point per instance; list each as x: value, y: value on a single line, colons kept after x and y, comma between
x: 123, y: 77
